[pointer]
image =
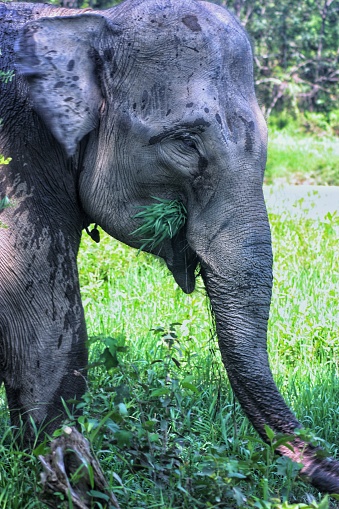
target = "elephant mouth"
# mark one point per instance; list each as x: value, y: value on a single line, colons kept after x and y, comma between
x: 182, y: 262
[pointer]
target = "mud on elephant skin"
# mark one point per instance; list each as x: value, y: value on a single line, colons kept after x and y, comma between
x: 107, y: 109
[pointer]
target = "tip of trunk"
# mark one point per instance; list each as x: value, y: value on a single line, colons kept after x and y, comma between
x: 322, y: 472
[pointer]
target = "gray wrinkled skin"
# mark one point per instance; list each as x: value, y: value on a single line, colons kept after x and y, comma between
x: 107, y: 109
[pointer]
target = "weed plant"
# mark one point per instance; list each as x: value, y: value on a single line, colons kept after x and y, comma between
x: 159, y: 410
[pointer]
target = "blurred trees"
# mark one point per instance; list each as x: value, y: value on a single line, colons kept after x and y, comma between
x: 296, y: 51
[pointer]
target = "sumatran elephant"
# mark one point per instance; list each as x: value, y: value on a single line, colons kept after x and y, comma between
x: 107, y: 110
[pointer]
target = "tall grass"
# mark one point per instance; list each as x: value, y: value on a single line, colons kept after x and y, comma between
x: 159, y: 410
x: 300, y: 159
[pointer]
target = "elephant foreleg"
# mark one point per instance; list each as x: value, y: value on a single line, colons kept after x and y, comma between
x: 46, y: 382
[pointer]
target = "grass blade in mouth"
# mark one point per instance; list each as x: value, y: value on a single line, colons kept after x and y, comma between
x: 160, y: 221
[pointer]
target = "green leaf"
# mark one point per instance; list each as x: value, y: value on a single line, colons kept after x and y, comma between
x: 163, y: 391
x: 6, y: 76
x: 4, y: 203
x: 239, y: 497
x: 187, y: 384
x: 122, y: 409
x: 287, y: 467
x: 41, y: 450
x: 98, y: 494
x: 123, y: 437
x: 269, y: 432
x: 324, y: 504
x: 109, y: 360
x: 283, y: 440
x: 149, y: 425
x: 153, y: 437
x: 58, y: 432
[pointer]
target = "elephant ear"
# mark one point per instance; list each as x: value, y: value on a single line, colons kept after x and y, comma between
x: 56, y: 56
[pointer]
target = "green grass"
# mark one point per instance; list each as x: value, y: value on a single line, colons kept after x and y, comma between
x: 160, y: 412
x: 298, y: 158
x: 160, y: 220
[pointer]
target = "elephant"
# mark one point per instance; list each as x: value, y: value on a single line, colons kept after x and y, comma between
x: 108, y: 109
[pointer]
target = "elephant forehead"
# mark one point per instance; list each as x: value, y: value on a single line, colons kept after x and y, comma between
x: 180, y: 38
x: 168, y: 101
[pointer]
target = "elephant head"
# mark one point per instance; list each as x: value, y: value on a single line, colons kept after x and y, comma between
x: 156, y: 98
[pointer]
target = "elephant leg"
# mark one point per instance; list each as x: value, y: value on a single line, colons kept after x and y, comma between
x: 46, y: 378
x: 42, y: 327
x: 1, y: 366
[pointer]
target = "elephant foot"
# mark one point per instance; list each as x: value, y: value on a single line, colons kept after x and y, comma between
x: 71, y: 469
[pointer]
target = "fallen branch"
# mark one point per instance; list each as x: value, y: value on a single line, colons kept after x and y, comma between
x: 71, y: 469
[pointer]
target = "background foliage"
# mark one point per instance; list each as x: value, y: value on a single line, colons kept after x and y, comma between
x: 296, y: 48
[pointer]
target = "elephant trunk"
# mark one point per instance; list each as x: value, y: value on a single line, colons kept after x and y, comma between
x: 239, y: 287
x: 241, y: 323
x: 237, y: 274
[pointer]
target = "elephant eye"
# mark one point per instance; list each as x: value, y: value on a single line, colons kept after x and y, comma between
x: 188, y: 141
